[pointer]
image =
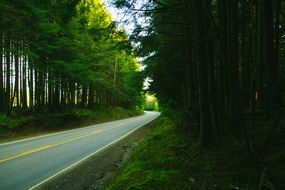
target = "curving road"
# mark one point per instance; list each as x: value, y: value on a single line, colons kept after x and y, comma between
x: 28, y: 163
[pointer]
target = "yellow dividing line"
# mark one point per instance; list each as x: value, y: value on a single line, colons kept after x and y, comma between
x: 50, y: 146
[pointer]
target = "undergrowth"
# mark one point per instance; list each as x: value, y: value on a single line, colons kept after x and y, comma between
x: 155, y: 164
x: 170, y: 159
x: 17, y: 126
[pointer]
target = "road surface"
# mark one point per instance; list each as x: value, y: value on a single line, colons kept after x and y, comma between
x: 28, y: 163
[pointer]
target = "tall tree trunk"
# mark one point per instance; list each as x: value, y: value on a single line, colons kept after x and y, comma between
x: 62, y: 93
x: 43, y: 91
x: 16, y: 79
x: 50, y: 91
x: 245, y: 50
x: 2, y: 91
x: 37, y: 89
x: 56, y: 95
x: 8, y: 73
x: 221, y: 87
x: 78, y: 94
x: 272, y: 98
x: 24, y: 82
x: 202, y: 71
x: 31, y: 85
x: 211, y: 66
x: 84, y: 96
x: 91, y: 96
x: 72, y: 93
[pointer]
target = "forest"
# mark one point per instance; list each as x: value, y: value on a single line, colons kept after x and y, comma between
x: 219, y: 64
x: 216, y: 61
x: 59, y: 55
x: 217, y: 69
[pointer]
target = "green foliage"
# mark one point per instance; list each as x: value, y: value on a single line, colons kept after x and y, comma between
x: 151, y: 103
x: 19, y: 126
x: 71, y: 49
x: 169, y: 159
x: 3, y: 118
x: 155, y: 164
x: 14, y: 123
x: 205, y: 59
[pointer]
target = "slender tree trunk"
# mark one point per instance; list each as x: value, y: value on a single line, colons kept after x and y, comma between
x: 211, y: 67
x: 202, y: 71
x: 78, y: 95
x: 91, y: 96
x: 245, y: 61
x: 221, y: 87
x: 2, y: 91
x: 258, y: 66
x: 43, y: 91
x: 8, y: 73
x: 50, y: 92
x: 37, y: 89
x: 24, y: 83
x: 16, y: 82
x: 56, y: 95
x: 272, y: 98
x: 72, y: 93
x: 31, y: 85
x: 277, y: 7
x: 63, y: 93
x: 84, y: 96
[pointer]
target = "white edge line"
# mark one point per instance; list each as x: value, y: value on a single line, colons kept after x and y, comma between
x: 57, y: 133
x: 76, y: 163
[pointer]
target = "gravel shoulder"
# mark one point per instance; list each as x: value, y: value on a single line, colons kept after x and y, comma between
x: 99, y: 170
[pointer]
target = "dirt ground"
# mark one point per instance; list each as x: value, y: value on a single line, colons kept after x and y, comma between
x: 99, y: 170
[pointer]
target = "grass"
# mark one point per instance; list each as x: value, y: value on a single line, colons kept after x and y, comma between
x: 170, y: 159
x: 155, y: 164
x: 22, y: 126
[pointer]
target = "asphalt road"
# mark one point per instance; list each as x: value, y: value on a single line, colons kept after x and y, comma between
x: 28, y: 163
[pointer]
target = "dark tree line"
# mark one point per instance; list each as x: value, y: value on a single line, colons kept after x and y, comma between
x: 57, y: 55
x: 221, y: 63
x: 214, y: 60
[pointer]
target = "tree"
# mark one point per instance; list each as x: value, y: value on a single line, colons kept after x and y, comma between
x: 62, y: 50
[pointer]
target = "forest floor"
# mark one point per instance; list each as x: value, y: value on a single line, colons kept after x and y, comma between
x: 101, y: 169
x: 20, y: 126
x: 170, y: 158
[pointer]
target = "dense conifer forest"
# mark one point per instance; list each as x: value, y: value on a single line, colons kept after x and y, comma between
x: 215, y: 61
x: 59, y: 55
x: 220, y: 64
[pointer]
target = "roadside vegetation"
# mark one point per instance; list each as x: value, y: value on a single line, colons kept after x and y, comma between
x: 19, y: 126
x: 171, y: 158
x: 155, y: 163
